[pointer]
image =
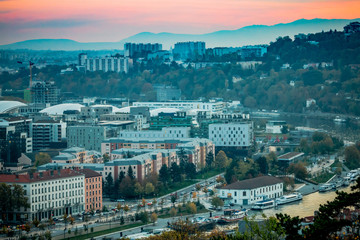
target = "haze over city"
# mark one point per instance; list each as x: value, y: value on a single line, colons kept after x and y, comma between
x: 96, y: 20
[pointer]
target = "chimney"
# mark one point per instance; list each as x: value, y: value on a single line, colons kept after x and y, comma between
x: 31, y: 175
x: 40, y: 174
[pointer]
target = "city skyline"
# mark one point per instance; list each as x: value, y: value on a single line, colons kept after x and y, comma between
x: 114, y: 20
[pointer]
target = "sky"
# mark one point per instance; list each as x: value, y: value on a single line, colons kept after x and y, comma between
x: 113, y: 20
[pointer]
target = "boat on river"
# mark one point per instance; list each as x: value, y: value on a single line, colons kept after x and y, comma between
x: 232, y: 216
x: 338, y: 119
x: 288, y: 198
x: 264, y: 204
x: 326, y: 187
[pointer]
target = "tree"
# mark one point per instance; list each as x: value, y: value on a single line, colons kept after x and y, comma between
x: 121, y: 176
x: 131, y: 173
x: 209, y: 159
x: 298, y: 169
x: 173, y: 212
x: 217, y: 202
x: 285, y: 129
x: 106, y: 158
x: 190, y: 170
x: 175, y: 172
x: 144, y: 217
x: 352, y: 157
x: 191, y: 208
x: 153, y: 218
x: 41, y: 159
x: 109, y: 183
x: 173, y: 198
x: 221, y: 160
x: 149, y: 188
x: 263, y: 165
x: 12, y: 198
x: 138, y: 189
x: 164, y: 175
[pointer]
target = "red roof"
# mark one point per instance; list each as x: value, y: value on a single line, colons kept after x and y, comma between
x: 89, y: 173
x: 39, y: 176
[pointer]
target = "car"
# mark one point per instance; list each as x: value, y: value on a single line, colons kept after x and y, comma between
x: 120, y: 200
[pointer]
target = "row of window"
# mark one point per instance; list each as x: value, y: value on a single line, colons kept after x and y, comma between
x: 56, y: 196
x: 56, y: 188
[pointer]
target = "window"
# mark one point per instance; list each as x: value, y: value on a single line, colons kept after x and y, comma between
x: 244, y: 193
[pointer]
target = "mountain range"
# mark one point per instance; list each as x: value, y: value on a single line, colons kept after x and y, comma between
x: 250, y: 35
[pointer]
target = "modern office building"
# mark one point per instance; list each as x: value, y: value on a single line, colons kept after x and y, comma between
x: 50, y: 194
x: 47, y: 132
x: 88, y: 137
x: 231, y: 134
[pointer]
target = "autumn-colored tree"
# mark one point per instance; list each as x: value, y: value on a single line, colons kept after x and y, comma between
x: 191, y: 208
x: 221, y: 160
x: 41, y: 159
x: 173, y: 212
x: 153, y: 218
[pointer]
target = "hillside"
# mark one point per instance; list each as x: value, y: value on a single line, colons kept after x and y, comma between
x: 250, y: 35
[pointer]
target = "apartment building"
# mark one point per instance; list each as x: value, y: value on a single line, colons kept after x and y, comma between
x: 46, y: 132
x: 108, y: 64
x: 93, y: 190
x: 50, y: 194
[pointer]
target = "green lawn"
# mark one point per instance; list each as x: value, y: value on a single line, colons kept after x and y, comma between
x: 107, y: 231
x: 177, y: 186
x: 323, y: 178
x: 209, y: 174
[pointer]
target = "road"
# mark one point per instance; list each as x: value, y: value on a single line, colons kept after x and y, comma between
x: 113, y: 218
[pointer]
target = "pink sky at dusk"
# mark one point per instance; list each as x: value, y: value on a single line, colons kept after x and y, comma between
x: 113, y: 20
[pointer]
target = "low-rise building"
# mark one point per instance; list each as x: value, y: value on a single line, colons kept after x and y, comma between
x: 249, y: 191
x: 274, y: 126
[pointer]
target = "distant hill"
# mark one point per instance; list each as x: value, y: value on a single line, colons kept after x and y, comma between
x: 250, y: 35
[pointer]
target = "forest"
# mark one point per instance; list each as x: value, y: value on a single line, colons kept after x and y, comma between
x: 335, y: 85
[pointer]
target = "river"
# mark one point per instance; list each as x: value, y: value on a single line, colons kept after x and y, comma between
x: 305, y: 207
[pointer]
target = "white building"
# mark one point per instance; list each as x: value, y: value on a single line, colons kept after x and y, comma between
x: 249, y: 191
x: 166, y: 132
x: 212, y: 106
x: 49, y: 193
x: 231, y: 134
x: 107, y: 64
x: 274, y: 126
